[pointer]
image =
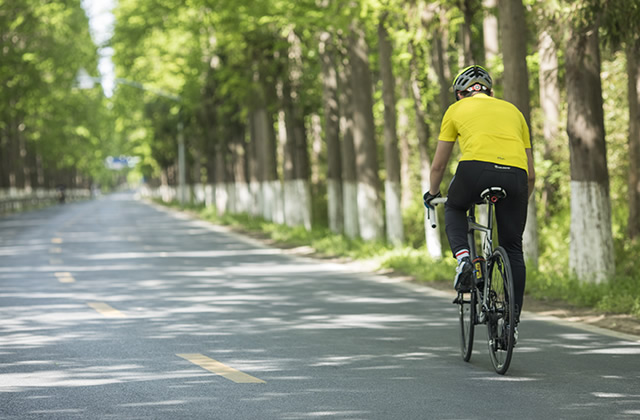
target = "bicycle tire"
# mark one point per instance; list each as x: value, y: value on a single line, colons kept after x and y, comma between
x: 500, y: 311
x: 467, y: 312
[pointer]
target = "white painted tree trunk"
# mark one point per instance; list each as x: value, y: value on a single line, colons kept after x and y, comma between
x: 272, y: 207
x: 222, y: 198
x: 209, y: 194
x: 198, y: 193
x: 297, y: 203
x: 370, y: 216
x: 291, y: 208
x: 304, y: 203
x: 350, y: 202
x: 243, y: 197
x: 278, y: 202
x: 395, y: 229
x: 231, y: 203
x: 334, y: 201
x: 256, y: 198
x: 591, y: 255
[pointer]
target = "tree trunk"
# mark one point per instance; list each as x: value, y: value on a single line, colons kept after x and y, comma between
x: 395, y: 229
x: 440, y: 61
x: 349, y: 173
x: 221, y: 177
x: 591, y: 245
x: 271, y: 194
x: 550, y: 104
x: 467, y: 43
x: 370, y: 214
x: 254, y: 166
x: 332, y: 133
x: 490, y: 30
x: 297, y: 195
x: 432, y: 237
x: 516, y: 87
x: 404, y: 132
x: 633, y: 52
x: 240, y: 169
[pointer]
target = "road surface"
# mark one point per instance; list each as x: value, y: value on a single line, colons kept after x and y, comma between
x: 117, y: 309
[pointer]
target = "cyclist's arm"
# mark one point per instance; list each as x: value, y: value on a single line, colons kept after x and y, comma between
x: 531, y: 170
x: 439, y: 165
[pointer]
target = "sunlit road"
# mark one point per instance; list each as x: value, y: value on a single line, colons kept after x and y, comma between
x: 118, y: 309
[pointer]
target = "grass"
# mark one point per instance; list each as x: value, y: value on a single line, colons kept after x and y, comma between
x: 550, y: 283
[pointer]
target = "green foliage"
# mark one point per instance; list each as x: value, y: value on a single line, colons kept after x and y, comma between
x: 619, y: 296
x: 417, y: 263
x: 65, y: 128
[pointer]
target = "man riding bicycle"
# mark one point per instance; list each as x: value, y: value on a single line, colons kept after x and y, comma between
x: 496, y: 151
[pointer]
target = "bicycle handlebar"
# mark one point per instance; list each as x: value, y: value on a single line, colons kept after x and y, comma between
x: 435, y: 202
x: 439, y: 200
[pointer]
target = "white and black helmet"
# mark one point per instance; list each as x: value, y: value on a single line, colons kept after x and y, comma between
x: 472, y: 78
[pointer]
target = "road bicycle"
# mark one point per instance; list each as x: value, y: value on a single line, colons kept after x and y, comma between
x: 491, y: 299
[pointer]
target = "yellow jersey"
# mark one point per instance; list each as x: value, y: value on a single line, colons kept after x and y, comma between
x: 489, y: 130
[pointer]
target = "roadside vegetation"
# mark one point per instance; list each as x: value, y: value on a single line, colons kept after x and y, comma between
x: 550, y: 282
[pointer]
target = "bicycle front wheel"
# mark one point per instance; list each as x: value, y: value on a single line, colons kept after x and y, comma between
x: 467, y: 311
x: 500, y: 311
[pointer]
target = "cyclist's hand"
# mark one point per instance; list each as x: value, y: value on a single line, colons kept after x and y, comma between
x: 427, y: 197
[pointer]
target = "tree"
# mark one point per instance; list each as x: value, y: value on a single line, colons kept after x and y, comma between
x: 550, y: 105
x: 633, y: 74
x: 332, y: 131
x: 490, y: 32
x: 432, y: 238
x: 349, y: 172
x: 370, y: 216
x: 395, y: 232
x: 297, y: 195
x: 591, y: 246
x: 50, y: 131
x: 516, y: 90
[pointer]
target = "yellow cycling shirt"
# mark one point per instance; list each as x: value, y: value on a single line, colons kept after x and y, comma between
x: 489, y: 130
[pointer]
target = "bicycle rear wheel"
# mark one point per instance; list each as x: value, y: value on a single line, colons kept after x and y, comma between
x: 467, y: 311
x: 500, y: 311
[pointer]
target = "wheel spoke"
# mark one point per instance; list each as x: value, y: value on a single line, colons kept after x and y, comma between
x: 501, y: 311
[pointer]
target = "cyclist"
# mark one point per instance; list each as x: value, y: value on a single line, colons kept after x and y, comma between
x: 496, y: 151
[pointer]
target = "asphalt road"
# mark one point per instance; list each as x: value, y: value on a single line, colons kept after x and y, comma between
x: 116, y: 309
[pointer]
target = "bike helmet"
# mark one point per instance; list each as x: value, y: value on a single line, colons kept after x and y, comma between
x: 472, y: 78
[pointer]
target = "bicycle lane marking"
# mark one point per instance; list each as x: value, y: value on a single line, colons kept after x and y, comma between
x: 220, y: 369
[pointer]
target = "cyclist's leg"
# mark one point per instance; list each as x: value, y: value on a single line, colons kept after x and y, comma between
x: 459, y: 200
x: 511, y: 216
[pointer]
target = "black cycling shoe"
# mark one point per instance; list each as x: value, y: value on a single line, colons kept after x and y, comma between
x: 463, y: 281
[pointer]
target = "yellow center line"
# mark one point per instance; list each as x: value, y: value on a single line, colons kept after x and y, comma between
x: 56, y: 240
x: 106, y: 310
x: 65, y: 277
x: 220, y: 369
x: 55, y: 261
x: 55, y: 250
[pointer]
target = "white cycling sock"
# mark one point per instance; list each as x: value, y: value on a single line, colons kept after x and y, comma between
x: 461, y: 254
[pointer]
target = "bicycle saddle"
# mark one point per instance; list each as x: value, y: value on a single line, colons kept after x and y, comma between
x: 493, y: 194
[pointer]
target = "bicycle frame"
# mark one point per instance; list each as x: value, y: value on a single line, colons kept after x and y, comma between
x: 487, y: 241
x: 487, y: 249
